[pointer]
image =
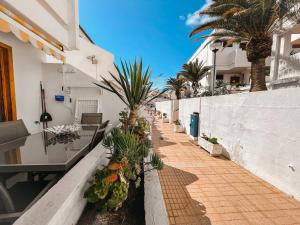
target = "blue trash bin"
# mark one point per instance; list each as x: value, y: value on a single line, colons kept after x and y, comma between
x: 194, y: 124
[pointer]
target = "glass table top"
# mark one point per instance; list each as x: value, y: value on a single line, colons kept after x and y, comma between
x: 44, y: 152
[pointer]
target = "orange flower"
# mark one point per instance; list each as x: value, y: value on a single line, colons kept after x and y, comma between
x: 115, y: 166
x: 124, y: 164
x: 111, y: 179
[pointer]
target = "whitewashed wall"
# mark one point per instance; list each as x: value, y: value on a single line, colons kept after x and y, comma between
x: 27, y: 76
x: 29, y: 71
x: 260, y: 131
x: 164, y: 107
x: 64, y: 202
x: 81, y: 87
x: 79, y: 60
x: 186, y: 108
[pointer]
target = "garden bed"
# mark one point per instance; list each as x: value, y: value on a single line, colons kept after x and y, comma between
x: 131, y: 213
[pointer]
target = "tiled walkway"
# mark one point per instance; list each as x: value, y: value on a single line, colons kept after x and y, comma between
x: 199, y: 189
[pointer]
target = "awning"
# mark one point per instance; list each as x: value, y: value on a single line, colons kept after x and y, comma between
x: 9, y: 22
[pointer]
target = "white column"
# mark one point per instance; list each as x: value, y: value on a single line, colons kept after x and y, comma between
x: 275, y: 57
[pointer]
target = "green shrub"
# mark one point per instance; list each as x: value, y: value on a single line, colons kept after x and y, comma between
x: 213, y: 140
x: 109, y: 188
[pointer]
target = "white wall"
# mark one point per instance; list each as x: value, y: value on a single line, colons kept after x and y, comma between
x: 171, y: 108
x: 260, y: 131
x: 79, y: 60
x: 227, y: 58
x: 81, y: 87
x: 27, y: 76
x: 64, y: 202
x: 186, y: 108
x: 164, y: 107
x: 29, y: 71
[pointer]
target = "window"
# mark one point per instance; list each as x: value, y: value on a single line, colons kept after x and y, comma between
x: 234, y: 80
x: 219, y: 77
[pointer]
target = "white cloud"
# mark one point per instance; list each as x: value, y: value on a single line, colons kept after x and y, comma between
x: 193, y: 19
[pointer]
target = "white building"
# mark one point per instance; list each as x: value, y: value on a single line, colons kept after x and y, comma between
x: 285, y: 65
x: 41, y: 41
x: 232, y: 65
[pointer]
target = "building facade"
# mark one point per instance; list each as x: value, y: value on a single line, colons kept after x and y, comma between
x: 41, y: 42
x: 285, y: 65
x: 232, y: 66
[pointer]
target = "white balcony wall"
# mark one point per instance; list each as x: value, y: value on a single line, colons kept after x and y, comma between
x: 203, y: 54
x: 288, y: 64
x: 57, y: 18
x: 240, y: 58
x: 79, y: 60
x: 227, y: 58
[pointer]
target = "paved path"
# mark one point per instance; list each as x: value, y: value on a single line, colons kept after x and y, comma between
x: 199, y: 189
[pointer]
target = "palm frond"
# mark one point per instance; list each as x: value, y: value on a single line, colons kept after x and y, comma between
x: 133, y: 82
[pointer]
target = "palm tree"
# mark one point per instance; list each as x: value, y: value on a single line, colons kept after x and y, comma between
x: 250, y: 21
x: 194, y: 72
x: 132, y: 85
x: 176, y: 85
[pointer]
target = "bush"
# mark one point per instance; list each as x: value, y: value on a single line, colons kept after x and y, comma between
x: 128, y: 148
x: 212, y: 140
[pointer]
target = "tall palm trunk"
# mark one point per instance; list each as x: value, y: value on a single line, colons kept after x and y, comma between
x: 258, y: 49
x: 178, y: 94
x: 133, y: 115
x: 195, y: 87
x: 258, y: 76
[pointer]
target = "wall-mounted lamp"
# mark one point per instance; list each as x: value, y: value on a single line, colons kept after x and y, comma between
x: 93, y: 59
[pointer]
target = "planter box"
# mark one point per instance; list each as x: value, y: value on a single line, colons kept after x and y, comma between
x: 213, y: 149
x: 165, y: 120
x: 178, y: 128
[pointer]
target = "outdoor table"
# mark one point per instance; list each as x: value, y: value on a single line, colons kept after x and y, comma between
x: 37, y: 154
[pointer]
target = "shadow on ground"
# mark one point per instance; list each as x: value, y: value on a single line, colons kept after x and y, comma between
x: 182, y: 209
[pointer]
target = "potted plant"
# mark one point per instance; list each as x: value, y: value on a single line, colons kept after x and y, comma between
x: 210, y: 144
x: 178, y: 128
x: 165, y: 119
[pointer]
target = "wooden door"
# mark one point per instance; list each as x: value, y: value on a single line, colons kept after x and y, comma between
x: 7, y: 96
x: 7, y: 87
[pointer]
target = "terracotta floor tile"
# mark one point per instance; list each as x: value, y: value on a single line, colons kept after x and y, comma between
x: 284, y: 220
x: 202, y: 190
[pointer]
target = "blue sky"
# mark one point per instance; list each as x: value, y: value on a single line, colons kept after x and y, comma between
x: 156, y: 30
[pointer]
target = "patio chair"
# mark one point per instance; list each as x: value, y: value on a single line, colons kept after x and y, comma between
x: 99, y: 135
x: 94, y: 119
x: 12, y: 130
